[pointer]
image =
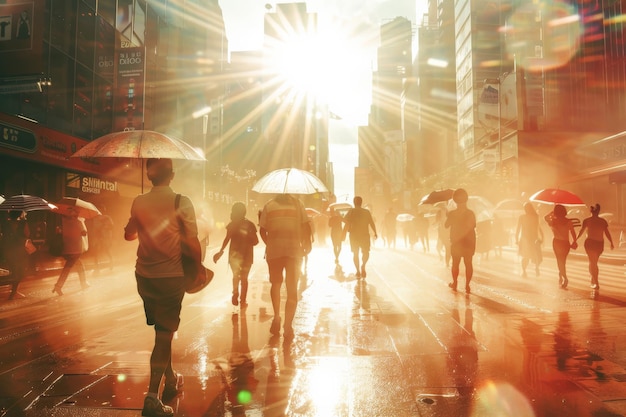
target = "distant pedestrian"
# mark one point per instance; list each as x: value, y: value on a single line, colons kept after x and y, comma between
x: 15, y: 231
x: 286, y: 231
x: 562, y: 229
x: 529, y: 238
x: 242, y: 235
x: 335, y: 224
x: 421, y: 231
x: 75, y: 243
x: 462, y: 224
x: 358, y: 222
x: 596, y: 228
x: 161, y: 219
x: 389, y: 228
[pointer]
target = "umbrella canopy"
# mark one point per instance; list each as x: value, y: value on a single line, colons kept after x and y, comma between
x: 289, y: 181
x: 437, y: 196
x: 67, y: 206
x: 405, y: 217
x: 139, y: 144
x: 24, y: 202
x: 556, y: 196
x: 339, y: 206
x: 509, y: 208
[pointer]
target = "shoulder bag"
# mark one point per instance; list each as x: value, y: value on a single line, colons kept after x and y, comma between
x: 195, y: 281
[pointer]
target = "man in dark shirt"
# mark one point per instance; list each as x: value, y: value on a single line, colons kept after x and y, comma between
x: 358, y: 221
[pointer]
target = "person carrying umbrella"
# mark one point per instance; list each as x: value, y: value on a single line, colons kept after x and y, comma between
x: 462, y: 224
x: 75, y: 243
x: 596, y: 228
x: 158, y: 225
x: 285, y: 228
x: 15, y: 231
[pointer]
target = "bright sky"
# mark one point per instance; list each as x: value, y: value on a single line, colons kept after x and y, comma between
x: 350, y: 31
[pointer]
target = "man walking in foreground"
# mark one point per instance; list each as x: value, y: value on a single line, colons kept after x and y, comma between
x: 358, y: 221
x: 156, y: 222
x: 285, y: 228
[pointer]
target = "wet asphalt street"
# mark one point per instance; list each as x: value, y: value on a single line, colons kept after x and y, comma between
x: 399, y: 343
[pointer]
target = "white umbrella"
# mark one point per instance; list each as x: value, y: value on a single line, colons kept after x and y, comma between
x: 289, y: 181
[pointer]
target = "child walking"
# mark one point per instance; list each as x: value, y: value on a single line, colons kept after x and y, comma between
x: 242, y: 235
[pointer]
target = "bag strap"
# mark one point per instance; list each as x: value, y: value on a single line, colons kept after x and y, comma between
x: 176, y: 205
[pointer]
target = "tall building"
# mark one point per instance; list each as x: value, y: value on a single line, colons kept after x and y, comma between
x: 74, y: 70
x: 382, y: 163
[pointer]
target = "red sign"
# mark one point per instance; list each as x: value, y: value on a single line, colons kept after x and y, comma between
x: 55, y: 148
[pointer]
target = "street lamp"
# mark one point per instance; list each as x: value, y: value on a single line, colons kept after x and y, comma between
x: 496, y: 81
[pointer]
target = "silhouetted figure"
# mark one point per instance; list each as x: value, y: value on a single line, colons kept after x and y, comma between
x: 75, y: 243
x: 529, y: 238
x: 462, y: 224
x: 15, y: 231
x: 562, y: 229
x: 358, y: 222
x: 241, y: 233
x: 389, y: 228
x: 335, y: 224
x: 285, y: 228
x: 160, y: 226
x: 596, y: 228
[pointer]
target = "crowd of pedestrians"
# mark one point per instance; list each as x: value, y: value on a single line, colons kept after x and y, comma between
x: 161, y: 220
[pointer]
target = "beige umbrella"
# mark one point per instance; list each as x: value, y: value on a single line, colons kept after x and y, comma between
x: 68, y: 206
x: 289, y: 181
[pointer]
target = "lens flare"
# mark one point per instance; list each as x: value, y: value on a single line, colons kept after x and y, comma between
x: 543, y: 35
x: 244, y: 396
x: 502, y: 399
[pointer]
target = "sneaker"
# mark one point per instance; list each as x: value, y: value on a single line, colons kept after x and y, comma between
x: 275, y: 327
x: 153, y: 407
x: 171, y: 391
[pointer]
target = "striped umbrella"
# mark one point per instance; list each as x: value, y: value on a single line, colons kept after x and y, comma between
x: 25, y: 202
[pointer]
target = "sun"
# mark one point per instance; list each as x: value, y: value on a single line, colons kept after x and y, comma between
x: 329, y: 65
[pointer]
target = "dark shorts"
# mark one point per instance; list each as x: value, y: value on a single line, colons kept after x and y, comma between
x: 287, y: 264
x: 360, y: 243
x: 594, y: 246
x: 162, y: 301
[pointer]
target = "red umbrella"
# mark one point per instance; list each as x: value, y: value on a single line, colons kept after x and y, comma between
x: 556, y: 196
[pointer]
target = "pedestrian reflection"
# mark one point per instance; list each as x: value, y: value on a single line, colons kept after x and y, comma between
x: 278, y: 378
x: 361, y: 291
x: 563, y: 340
x: 242, y: 383
x: 597, y: 342
x: 532, y: 338
x: 463, y: 358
